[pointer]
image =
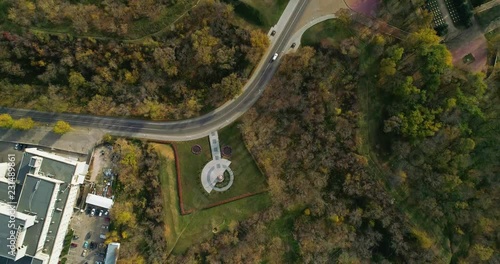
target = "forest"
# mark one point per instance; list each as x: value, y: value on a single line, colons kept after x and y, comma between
x: 198, y: 65
x: 376, y: 150
x: 137, y: 214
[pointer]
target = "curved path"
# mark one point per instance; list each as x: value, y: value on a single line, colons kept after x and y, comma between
x: 191, y: 128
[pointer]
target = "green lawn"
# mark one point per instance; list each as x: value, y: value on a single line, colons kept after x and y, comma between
x: 261, y: 13
x: 183, y: 231
x: 331, y: 30
x: 283, y: 228
x: 247, y: 176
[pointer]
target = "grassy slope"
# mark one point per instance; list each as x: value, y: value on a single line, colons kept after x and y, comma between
x: 331, y: 30
x: 261, y: 13
x: 182, y: 231
x: 248, y: 178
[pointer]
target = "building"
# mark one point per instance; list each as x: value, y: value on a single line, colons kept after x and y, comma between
x: 99, y: 201
x: 34, y: 221
x: 112, y: 253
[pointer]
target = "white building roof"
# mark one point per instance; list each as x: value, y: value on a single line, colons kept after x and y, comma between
x: 112, y: 253
x: 4, y: 167
x: 99, y: 201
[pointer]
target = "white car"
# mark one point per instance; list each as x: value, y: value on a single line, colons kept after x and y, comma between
x: 275, y: 56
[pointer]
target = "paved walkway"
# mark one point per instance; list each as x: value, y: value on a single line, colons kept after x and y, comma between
x: 216, y: 167
x: 214, y: 145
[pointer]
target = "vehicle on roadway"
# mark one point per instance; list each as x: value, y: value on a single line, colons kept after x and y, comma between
x: 293, y: 45
x: 275, y: 56
x: 273, y: 33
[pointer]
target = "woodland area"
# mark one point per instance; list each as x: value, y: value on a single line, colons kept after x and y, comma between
x: 113, y: 17
x: 419, y: 186
x: 200, y: 64
x: 137, y: 214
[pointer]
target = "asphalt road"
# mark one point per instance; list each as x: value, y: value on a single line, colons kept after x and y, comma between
x: 190, y: 128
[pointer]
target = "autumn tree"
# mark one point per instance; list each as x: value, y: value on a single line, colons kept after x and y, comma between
x: 6, y: 121
x: 61, y: 127
x: 25, y: 123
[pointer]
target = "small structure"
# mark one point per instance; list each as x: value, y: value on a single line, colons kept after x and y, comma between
x: 196, y: 149
x: 99, y: 201
x: 112, y: 253
x: 213, y: 172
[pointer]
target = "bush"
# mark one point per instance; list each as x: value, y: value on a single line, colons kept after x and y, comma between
x: 23, y: 124
x: 61, y: 127
x: 6, y: 121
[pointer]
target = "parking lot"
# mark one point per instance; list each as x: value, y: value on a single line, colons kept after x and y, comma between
x: 6, y: 149
x: 91, y: 225
x: 88, y: 229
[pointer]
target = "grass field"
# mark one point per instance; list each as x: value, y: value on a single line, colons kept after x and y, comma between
x: 248, y: 178
x: 261, y: 13
x: 332, y: 30
x: 182, y: 231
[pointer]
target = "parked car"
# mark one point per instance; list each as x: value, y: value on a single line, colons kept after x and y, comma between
x: 293, y: 45
x: 87, y: 237
x: 92, y: 213
x: 273, y: 33
x: 74, y: 245
x: 93, y: 245
x: 19, y: 146
x: 86, y: 244
x: 84, y: 253
x: 104, y: 227
x: 102, y: 236
x: 75, y: 237
x: 100, y: 212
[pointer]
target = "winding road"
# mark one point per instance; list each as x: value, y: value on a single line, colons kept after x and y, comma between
x: 191, y: 128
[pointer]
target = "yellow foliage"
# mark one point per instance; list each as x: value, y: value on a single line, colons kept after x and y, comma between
x: 61, y: 127
x: 307, y: 211
x: 423, y: 238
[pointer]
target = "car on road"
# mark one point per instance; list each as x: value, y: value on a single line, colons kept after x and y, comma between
x: 293, y: 45
x: 273, y: 33
x: 275, y: 56
x: 84, y: 253
x: 74, y: 245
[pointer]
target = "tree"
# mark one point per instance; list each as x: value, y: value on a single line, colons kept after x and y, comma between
x: 75, y: 80
x: 61, y: 127
x: 24, y: 124
x: 6, y: 121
